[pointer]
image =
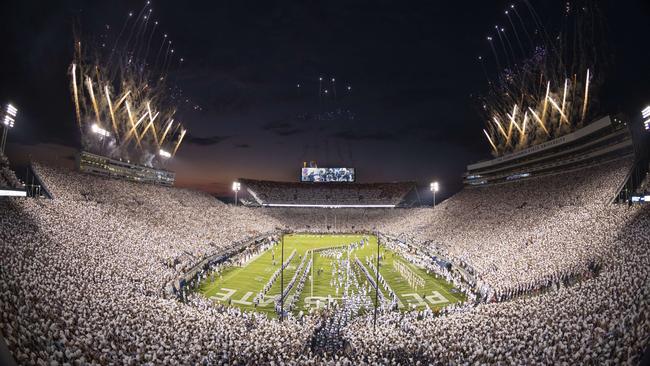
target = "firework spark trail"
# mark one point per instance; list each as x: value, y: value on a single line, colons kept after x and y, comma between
x: 545, y: 102
x: 586, y: 98
x: 141, y: 28
x: 89, y: 85
x: 76, y: 93
x: 128, y: 92
x: 480, y: 58
x: 494, y: 147
x: 180, y: 139
x: 503, y: 45
x: 166, y: 58
x: 140, y: 44
x: 539, y: 120
x: 559, y: 109
x: 134, y: 28
x: 542, y: 30
x: 513, y: 118
x: 566, y: 84
x: 133, y: 125
x: 169, y: 63
x: 162, y: 45
x: 511, y: 49
x: 540, y: 87
x: 503, y: 132
x: 169, y: 125
x: 523, y: 137
x: 514, y: 29
x: 153, y: 31
x: 117, y: 40
x: 523, y: 26
x: 494, y: 52
x: 110, y: 109
x: 137, y: 44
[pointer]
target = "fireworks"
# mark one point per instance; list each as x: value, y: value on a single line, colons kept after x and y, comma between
x: 123, y: 103
x: 547, y: 91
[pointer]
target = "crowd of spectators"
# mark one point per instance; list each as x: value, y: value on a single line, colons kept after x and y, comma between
x: 8, y: 178
x: 331, y: 193
x: 563, y: 276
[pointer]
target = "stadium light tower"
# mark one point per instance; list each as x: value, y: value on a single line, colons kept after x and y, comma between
x: 434, y: 188
x: 8, y: 122
x: 645, y: 113
x: 236, y: 186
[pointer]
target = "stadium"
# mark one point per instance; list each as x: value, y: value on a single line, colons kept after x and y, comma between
x: 541, y: 257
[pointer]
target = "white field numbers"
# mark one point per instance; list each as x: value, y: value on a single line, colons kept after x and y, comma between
x: 411, y: 300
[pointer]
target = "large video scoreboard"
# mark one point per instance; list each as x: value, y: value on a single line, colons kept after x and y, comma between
x: 310, y: 174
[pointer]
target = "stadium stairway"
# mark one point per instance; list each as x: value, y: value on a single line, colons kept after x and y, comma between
x: 633, y: 180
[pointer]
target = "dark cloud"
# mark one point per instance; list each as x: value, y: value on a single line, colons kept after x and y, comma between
x: 281, y: 127
x: 242, y: 146
x: 205, y: 141
x: 354, y: 135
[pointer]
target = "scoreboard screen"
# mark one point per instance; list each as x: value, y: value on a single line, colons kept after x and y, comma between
x: 327, y: 175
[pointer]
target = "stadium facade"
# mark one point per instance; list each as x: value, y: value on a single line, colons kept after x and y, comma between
x: 604, y: 140
x: 105, y: 166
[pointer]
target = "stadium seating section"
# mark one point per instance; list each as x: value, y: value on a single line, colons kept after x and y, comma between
x: 267, y: 192
x: 561, y: 275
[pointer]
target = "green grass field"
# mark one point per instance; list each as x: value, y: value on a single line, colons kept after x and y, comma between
x: 238, y: 286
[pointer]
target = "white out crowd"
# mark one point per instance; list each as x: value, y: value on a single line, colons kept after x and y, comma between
x: 563, y: 277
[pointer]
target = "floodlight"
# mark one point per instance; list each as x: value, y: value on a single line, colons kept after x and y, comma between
x: 12, y: 110
x: 434, y: 188
x: 8, y: 121
x: 236, y: 186
x: 646, y: 112
x: 100, y: 131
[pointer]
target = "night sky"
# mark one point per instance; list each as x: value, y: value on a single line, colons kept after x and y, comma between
x: 412, y: 67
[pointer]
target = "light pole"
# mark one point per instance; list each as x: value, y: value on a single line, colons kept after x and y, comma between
x: 8, y: 122
x: 236, y: 186
x: 101, y: 132
x: 282, y: 278
x: 374, y: 322
x: 434, y: 188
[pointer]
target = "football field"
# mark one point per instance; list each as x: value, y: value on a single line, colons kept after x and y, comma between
x: 323, y: 269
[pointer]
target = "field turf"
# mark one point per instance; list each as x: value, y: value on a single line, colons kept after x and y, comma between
x: 238, y: 286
